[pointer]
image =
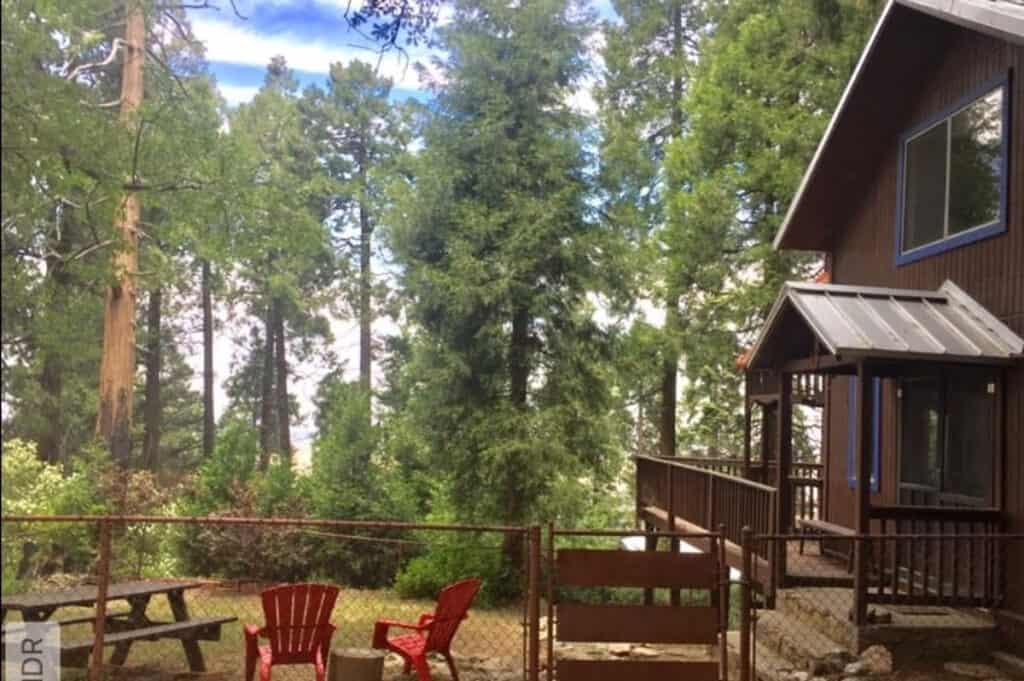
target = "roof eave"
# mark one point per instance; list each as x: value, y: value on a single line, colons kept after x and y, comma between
x: 780, y: 236
x: 996, y: 19
x: 988, y: 17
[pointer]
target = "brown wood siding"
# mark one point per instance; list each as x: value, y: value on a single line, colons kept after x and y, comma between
x: 992, y: 270
x: 841, y: 499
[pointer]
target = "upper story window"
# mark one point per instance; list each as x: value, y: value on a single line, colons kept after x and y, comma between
x: 953, y: 178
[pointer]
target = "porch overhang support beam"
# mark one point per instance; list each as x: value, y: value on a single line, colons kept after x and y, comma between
x: 784, y: 464
x: 863, y: 454
x: 747, y: 444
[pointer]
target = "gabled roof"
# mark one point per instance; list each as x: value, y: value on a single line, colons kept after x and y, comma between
x: 906, y: 41
x: 850, y: 322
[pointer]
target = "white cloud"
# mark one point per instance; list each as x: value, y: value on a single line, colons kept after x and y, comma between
x: 237, y: 94
x: 229, y: 43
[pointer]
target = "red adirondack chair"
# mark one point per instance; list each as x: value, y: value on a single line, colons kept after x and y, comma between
x: 298, y: 629
x: 433, y: 633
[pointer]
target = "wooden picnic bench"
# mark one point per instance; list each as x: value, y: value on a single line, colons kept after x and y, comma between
x: 76, y: 653
x: 122, y: 628
x: 819, y: 530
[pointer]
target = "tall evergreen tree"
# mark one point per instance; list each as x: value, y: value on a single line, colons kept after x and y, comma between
x: 648, y: 54
x: 359, y: 135
x: 499, y: 254
x: 282, y: 245
x: 767, y: 79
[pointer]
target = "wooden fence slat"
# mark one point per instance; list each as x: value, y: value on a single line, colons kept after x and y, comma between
x: 644, y: 569
x: 636, y: 670
x: 627, y: 623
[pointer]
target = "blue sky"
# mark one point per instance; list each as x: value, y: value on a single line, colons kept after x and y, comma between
x: 311, y: 34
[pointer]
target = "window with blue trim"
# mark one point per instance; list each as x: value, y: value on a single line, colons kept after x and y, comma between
x: 953, y: 180
x: 876, y: 435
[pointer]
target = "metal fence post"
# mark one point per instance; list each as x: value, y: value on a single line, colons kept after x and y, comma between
x: 746, y: 604
x: 102, y: 583
x: 533, y: 606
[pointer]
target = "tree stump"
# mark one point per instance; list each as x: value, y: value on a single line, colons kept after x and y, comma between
x: 356, y: 664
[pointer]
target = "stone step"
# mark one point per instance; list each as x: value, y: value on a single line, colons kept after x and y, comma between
x: 1010, y: 664
x: 824, y: 609
x: 767, y: 664
x: 796, y: 640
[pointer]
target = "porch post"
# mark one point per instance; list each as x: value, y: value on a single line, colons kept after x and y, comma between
x: 784, y: 461
x: 747, y: 420
x: 863, y: 454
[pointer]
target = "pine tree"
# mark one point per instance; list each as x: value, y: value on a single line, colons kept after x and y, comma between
x: 359, y: 135
x: 281, y: 242
x: 499, y: 254
x: 648, y: 56
x: 753, y: 123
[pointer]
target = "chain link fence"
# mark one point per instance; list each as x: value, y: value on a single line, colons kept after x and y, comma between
x: 201, y: 580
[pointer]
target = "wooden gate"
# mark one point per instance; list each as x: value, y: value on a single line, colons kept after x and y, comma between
x: 702, y: 620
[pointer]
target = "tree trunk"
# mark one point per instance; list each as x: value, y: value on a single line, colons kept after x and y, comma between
x: 519, y: 363
x: 153, y: 410
x: 51, y: 380
x: 209, y: 432
x: 283, y: 403
x: 670, y: 365
x: 365, y: 283
x: 669, y: 385
x: 117, y: 366
x: 51, y: 377
x: 267, y: 391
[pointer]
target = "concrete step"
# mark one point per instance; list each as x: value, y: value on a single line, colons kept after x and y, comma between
x: 1010, y: 664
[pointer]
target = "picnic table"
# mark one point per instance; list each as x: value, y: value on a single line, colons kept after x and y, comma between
x: 122, y: 628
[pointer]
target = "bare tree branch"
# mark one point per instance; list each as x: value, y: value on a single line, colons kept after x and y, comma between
x: 114, y: 47
x: 206, y: 4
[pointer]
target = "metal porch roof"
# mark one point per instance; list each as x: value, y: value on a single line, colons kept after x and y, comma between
x: 861, y: 321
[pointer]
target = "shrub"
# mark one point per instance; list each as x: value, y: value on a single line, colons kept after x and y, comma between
x: 32, y: 487
x: 460, y: 556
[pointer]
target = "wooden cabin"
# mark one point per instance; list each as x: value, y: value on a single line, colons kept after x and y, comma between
x: 912, y: 351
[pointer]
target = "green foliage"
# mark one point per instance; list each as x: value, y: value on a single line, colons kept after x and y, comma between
x: 517, y: 243
x: 229, y: 484
x: 448, y: 557
x: 455, y: 557
x: 233, y: 463
x: 33, y: 487
x: 752, y: 127
x: 507, y: 367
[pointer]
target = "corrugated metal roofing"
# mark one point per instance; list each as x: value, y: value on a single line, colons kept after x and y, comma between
x: 864, y: 321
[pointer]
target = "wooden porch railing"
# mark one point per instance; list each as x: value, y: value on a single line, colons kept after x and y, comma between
x: 936, y: 555
x: 805, y: 484
x: 807, y: 388
x: 759, y: 471
x: 807, y: 496
x: 705, y: 498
